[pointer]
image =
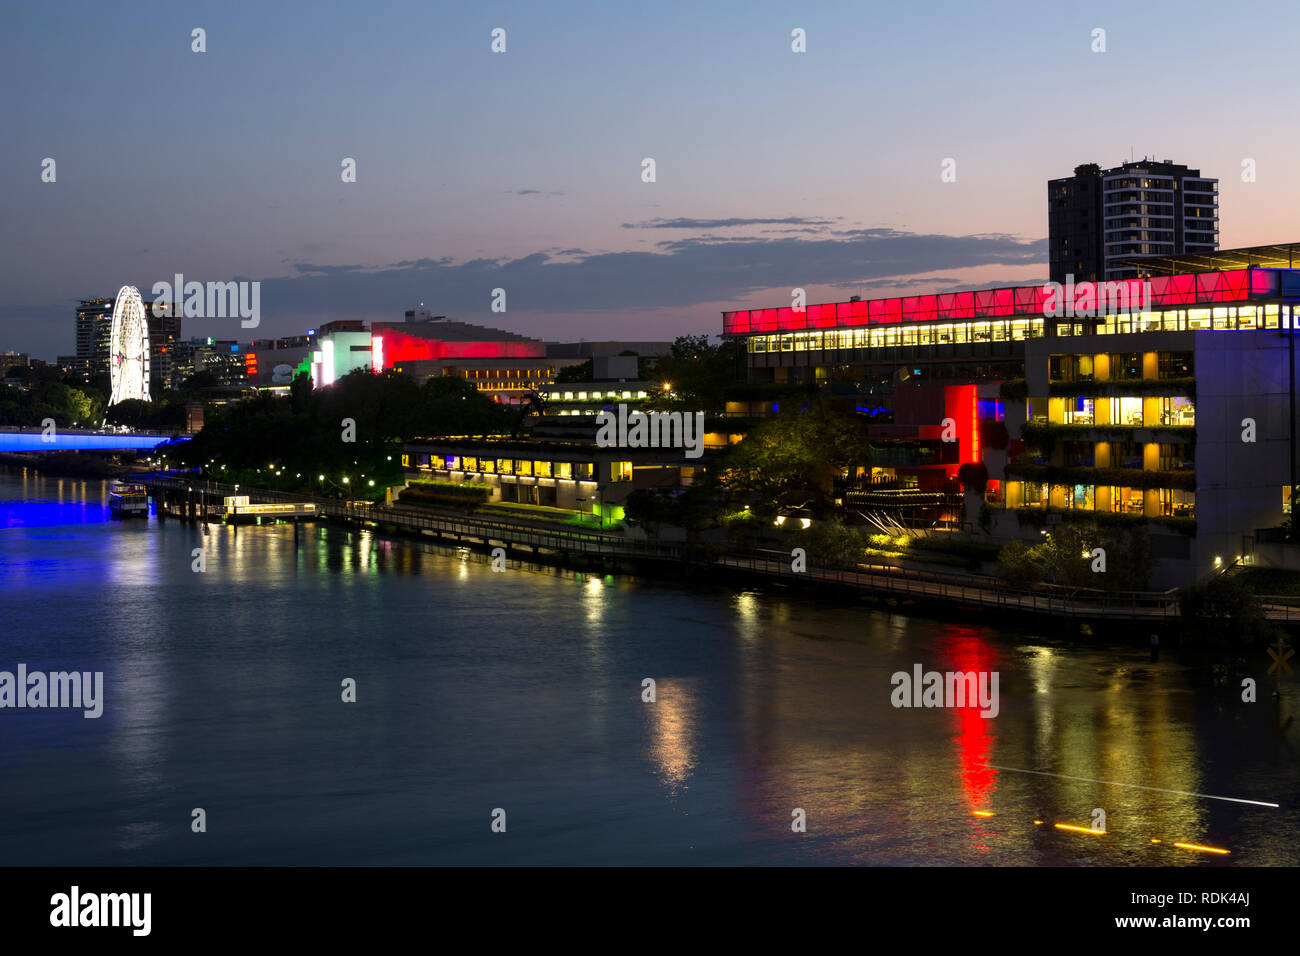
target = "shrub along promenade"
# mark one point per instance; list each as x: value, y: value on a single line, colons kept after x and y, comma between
x: 545, y: 541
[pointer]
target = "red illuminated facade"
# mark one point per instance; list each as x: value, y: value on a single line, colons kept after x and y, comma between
x: 1164, y: 291
x: 503, y: 364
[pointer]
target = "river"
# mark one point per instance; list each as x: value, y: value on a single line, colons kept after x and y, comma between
x: 522, y: 691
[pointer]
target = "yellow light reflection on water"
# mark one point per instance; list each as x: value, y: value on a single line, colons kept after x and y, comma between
x: 1073, y: 829
x: 672, y: 732
x: 1201, y: 849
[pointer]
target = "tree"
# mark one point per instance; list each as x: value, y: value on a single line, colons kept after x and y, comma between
x: 831, y: 542
x: 1068, y: 557
x: 300, y: 392
x: 1020, y: 567
x: 695, y: 375
x: 583, y: 372
x: 793, y: 459
x: 1224, y: 610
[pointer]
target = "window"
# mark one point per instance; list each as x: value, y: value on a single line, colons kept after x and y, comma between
x: 471, y: 464
x: 1177, y: 411
x: 1125, y: 366
x: 620, y: 471
x: 1080, y: 496
x: 1176, y: 456
x: 542, y: 469
x: 1078, y: 411
x: 1175, y: 503
x: 505, y: 466
x: 1034, y: 495
x: 1126, y: 454
x: 1126, y: 411
x: 1070, y: 368
x: 523, y: 466
x: 1079, y: 454
x: 582, y: 470
x: 1127, y: 500
x: 563, y: 469
x: 1175, y: 365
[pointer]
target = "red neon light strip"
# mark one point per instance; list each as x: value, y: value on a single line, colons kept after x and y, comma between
x: 1166, y: 291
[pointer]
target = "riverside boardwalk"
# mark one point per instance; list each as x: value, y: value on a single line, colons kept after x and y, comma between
x: 199, y: 499
x: 205, y: 500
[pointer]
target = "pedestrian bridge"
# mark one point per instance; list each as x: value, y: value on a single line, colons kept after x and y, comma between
x: 36, y: 440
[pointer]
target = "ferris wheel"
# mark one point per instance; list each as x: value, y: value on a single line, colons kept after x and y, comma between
x: 128, y: 348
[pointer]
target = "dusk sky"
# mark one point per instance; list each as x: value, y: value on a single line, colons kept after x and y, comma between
x: 522, y: 170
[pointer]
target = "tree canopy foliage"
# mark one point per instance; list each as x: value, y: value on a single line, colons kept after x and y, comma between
x: 68, y: 405
x: 792, y: 459
x: 290, y: 442
x: 697, y: 373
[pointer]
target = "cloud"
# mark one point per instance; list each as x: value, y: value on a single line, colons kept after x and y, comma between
x: 678, y: 273
x: 683, y: 223
x: 682, y: 275
x: 933, y: 285
x: 303, y: 268
x: 533, y: 192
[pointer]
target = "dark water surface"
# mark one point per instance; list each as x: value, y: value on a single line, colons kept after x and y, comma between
x: 522, y: 690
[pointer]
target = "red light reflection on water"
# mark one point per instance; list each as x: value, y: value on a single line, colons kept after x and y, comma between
x: 966, y: 651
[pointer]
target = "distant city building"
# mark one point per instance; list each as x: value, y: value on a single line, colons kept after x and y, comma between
x: 94, y: 323
x: 221, y: 358
x: 273, y: 363
x: 565, y: 354
x: 93, y: 327
x: 164, y: 334
x: 1098, y: 217
x: 10, y: 358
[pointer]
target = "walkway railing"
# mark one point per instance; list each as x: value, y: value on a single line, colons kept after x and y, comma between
x: 971, y: 589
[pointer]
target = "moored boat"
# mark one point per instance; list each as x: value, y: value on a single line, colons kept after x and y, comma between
x: 126, y: 500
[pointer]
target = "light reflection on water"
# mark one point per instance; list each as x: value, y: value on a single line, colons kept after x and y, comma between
x: 522, y: 690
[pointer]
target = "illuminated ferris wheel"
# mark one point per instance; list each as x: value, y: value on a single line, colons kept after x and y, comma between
x: 128, y: 348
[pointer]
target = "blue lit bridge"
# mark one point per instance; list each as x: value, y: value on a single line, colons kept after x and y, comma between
x: 31, y: 440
